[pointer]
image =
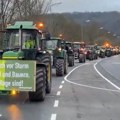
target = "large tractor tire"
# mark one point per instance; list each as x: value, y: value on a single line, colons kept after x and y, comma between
x: 65, y: 67
x: 60, y: 67
x: 39, y: 94
x: 46, y: 59
x: 82, y: 60
x: 71, y: 61
x: 48, y: 80
x: 90, y: 57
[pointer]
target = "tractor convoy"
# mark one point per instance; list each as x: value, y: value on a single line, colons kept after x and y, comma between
x: 28, y: 55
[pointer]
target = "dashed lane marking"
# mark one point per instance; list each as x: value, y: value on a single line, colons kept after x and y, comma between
x: 60, y: 87
x: 58, y: 93
x: 83, y: 85
x: 63, y: 82
x: 53, y: 117
x: 56, y: 103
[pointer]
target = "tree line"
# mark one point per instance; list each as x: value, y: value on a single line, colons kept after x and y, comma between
x: 56, y: 24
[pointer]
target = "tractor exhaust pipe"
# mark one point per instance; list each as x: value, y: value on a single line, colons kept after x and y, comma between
x: 20, y: 37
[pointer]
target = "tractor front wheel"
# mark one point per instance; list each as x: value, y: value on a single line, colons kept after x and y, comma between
x: 60, y: 67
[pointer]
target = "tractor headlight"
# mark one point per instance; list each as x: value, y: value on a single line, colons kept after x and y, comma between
x: 98, y: 52
x: 59, y: 49
x: 13, y: 92
x: 44, y: 52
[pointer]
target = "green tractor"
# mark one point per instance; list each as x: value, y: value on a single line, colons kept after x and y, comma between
x: 56, y: 47
x: 23, y: 65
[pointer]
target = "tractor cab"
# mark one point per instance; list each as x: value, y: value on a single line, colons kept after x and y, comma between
x: 53, y: 44
x: 30, y: 65
x: 21, y: 41
x: 68, y: 45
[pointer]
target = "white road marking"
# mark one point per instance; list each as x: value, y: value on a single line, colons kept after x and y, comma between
x: 0, y: 115
x: 49, y: 96
x: 53, y: 117
x: 60, y: 87
x: 63, y: 82
x: 105, y: 77
x: 116, y: 63
x: 83, y: 85
x: 56, y: 103
x: 58, y: 93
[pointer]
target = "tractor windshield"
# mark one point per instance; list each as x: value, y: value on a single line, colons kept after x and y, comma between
x: 69, y: 44
x: 51, y: 44
x: 76, y: 46
x: 13, y: 39
x: 82, y: 45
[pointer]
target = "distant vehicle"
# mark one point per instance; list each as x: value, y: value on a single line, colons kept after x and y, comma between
x: 80, y: 51
x: 108, y: 52
x: 76, y: 49
x: 82, y: 55
x: 56, y: 47
x: 70, y: 53
x: 100, y: 51
x: 91, y: 52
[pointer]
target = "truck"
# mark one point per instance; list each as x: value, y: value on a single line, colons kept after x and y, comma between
x: 24, y: 67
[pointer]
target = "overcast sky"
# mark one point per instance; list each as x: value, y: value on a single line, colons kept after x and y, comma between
x: 86, y: 5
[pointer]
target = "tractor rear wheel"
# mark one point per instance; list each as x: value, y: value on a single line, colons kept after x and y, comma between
x: 39, y: 94
x: 46, y: 59
x: 65, y: 67
x: 71, y: 61
x: 59, y: 67
x: 48, y: 79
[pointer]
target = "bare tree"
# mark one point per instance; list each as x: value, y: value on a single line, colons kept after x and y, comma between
x: 7, y: 11
x: 11, y: 10
x: 27, y: 9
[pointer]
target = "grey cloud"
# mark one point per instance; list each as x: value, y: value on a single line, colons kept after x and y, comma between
x: 87, y: 5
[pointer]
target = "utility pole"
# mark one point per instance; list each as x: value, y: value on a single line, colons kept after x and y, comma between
x: 52, y: 5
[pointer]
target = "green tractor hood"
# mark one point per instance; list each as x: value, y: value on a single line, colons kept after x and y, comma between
x: 13, y: 55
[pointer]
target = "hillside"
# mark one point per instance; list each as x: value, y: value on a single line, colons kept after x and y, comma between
x: 109, y: 20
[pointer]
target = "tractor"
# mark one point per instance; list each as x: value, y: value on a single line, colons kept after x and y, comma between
x: 70, y: 53
x: 80, y: 51
x: 56, y: 47
x: 21, y: 45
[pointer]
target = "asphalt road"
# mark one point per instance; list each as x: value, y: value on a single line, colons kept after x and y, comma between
x: 90, y: 91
